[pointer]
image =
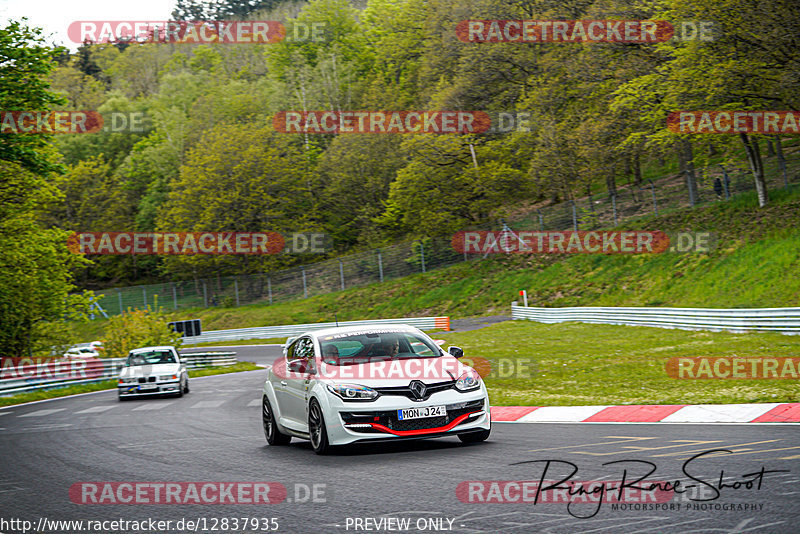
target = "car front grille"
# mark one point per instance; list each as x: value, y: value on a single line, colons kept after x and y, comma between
x: 405, y: 391
x: 388, y: 418
x: 146, y: 379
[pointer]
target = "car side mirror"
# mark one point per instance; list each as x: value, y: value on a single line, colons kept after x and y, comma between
x: 456, y: 352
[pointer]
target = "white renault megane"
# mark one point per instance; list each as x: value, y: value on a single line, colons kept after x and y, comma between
x: 354, y: 384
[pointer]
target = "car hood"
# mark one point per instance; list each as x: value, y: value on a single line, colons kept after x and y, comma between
x: 395, y: 373
x: 136, y: 371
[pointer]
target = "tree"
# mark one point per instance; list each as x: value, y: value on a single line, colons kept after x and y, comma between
x: 240, y: 177
x: 138, y: 328
x: 34, y: 263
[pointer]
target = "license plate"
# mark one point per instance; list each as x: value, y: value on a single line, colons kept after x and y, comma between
x: 144, y: 387
x: 421, y: 413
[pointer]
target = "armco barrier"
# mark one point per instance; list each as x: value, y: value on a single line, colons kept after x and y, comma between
x: 267, y: 332
x: 26, y: 378
x: 783, y: 320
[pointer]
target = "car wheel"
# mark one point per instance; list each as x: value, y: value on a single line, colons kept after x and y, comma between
x: 474, y: 437
x: 186, y: 385
x: 180, y: 390
x: 316, y: 429
x: 271, y: 432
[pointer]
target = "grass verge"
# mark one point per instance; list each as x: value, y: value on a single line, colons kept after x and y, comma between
x: 756, y: 249
x: 588, y: 364
x: 112, y: 384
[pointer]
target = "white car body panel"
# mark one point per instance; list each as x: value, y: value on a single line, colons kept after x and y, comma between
x: 145, y: 380
x: 290, y: 397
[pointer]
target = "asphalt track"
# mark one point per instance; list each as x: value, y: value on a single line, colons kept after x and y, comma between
x: 214, y: 434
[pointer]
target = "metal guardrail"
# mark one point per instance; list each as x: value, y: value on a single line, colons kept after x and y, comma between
x: 267, y: 332
x: 783, y: 320
x: 54, y: 374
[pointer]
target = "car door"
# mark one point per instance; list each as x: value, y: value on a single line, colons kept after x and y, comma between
x: 280, y: 381
x: 299, y: 383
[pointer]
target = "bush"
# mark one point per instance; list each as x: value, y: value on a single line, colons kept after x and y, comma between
x: 138, y: 328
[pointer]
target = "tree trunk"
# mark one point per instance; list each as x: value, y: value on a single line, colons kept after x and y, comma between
x: 626, y: 167
x: 611, y: 179
x: 770, y: 148
x: 756, y: 166
x: 637, y: 169
x: 781, y: 160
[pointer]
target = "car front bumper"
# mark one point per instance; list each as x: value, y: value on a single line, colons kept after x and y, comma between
x: 137, y: 390
x: 350, y: 422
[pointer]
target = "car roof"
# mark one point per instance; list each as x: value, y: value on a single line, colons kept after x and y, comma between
x: 148, y: 349
x: 365, y: 329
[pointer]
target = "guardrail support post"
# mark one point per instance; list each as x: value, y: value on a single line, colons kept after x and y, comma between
x: 269, y: 289
x: 236, y: 290
x: 174, y: 296
x: 380, y: 265
x: 119, y: 297
x: 205, y: 294
x: 144, y: 294
x: 541, y: 220
x: 422, y: 255
x: 305, y: 286
x: 341, y: 273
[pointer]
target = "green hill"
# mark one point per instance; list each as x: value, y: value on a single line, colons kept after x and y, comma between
x: 755, y: 264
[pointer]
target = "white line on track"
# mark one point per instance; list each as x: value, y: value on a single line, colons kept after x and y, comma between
x: 209, y: 404
x: 41, y: 413
x: 96, y: 409
x: 155, y: 406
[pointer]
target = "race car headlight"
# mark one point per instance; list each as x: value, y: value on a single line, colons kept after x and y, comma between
x: 468, y: 381
x: 353, y: 392
x: 167, y: 377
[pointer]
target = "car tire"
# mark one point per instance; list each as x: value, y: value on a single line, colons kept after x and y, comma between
x: 186, y: 385
x: 317, y: 431
x: 271, y: 432
x: 475, y: 437
x: 180, y: 390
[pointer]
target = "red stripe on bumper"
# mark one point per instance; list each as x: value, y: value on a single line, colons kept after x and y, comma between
x: 458, y: 420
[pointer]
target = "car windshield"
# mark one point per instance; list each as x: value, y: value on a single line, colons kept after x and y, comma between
x: 151, y: 358
x: 373, y: 346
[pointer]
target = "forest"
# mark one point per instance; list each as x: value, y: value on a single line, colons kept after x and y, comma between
x: 207, y: 156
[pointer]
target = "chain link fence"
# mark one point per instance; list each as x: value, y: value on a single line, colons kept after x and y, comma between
x: 305, y: 281
x: 403, y: 259
x: 714, y: 184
